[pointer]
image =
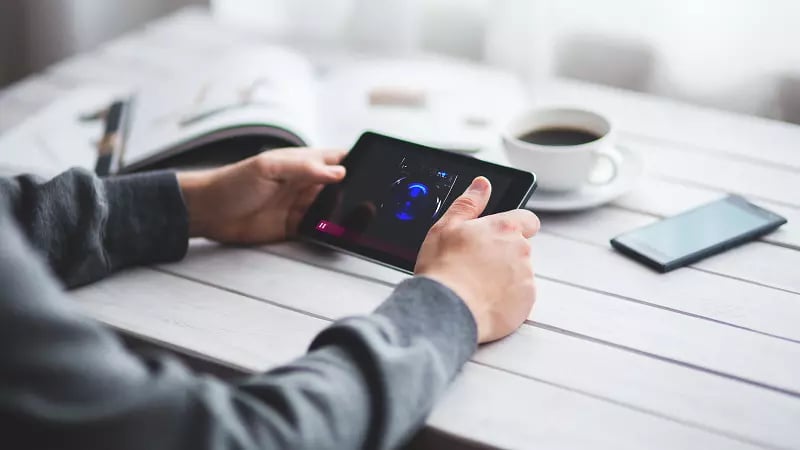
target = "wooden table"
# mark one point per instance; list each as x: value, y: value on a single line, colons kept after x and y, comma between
x: 614, y: 355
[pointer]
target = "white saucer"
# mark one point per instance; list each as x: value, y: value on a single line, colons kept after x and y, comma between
x: 591, y: 195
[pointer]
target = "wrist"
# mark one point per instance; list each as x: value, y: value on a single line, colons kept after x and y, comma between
x: 464, y: 293
x: 424, y: 308
x: 195, y: 187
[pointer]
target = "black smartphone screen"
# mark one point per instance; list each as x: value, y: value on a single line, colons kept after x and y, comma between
x: 697, y: 233
x: 395, y: 191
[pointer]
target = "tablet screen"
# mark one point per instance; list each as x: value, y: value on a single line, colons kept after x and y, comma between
x: 395, y: 191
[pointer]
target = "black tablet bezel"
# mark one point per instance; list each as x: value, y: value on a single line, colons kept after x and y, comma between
x: 640, y: 252
x: 516, y: 195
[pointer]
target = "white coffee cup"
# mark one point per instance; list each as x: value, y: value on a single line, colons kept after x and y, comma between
x: 562, y: 167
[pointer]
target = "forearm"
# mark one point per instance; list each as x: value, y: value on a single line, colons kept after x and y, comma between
x: 386, y: 369
x: 366, y: 383
x: 86, y: 227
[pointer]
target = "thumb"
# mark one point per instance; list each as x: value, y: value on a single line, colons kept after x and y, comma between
x: 471, y: 203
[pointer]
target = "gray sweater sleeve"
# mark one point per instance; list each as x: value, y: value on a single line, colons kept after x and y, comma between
x: 67, y: 383
x: 86, y: 227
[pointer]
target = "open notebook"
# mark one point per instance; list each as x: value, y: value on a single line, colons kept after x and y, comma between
x: 268, y: 96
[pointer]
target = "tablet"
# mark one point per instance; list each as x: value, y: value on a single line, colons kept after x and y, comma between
x: 395, y: 191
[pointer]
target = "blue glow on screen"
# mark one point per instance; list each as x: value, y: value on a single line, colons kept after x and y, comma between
x: 403, y: 215
x: 417, y: 189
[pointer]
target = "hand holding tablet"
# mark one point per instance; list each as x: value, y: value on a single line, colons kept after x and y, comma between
x: 485, y: 260
x: 395, y: 191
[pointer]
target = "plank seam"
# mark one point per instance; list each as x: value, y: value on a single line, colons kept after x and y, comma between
x: 757, y: 283
x: 240, y: 293
x: 676, y: 180
x: 666, y: 308
x: 179, y: 349
x: 691, y: 267
x: 688, y: 365
x: 646, y: 411
x: 321, y: 266
x: 688, y: 147
x: 566, y: 283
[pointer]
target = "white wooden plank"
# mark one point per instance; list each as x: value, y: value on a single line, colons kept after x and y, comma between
x: 11, y: 115
x: 242, y: 333
x: 93, y: 68
x: 728, y: 175
x: 510, y: 412
x: 210, y: 321
x: 688, y: 339
x: 725, y: 349
x: 35, y: 90
x: 757, y: 261
x: 154, y: 53
x: 185, y: 40
x: 267, y: 276
x: 719, y: 298
x: 336, y: 261
x: 703, y: 129
x: 694, y: 292
x: 162, y: 57
x: 594, y: 226
x: 298, y: 286
x: 664, y: 198
x: 724, y: 405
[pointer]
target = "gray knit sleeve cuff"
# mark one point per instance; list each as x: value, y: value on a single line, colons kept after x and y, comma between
x: 147, y: 219
x: 423, y: 308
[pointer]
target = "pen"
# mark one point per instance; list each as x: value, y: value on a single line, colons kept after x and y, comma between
x: 109, y: 143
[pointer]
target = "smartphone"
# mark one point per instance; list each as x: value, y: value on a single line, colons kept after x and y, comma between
x: 395, y: 191
x: 698, y: 233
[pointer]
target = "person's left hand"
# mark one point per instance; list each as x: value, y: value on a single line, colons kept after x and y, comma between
x: 261, y: 199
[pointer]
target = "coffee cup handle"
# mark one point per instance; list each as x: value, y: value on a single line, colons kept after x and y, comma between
x: 614, y: 159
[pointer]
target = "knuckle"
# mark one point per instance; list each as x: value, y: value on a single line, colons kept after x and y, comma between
x: 263, y: 162
x: 308, y: 165
x: 438, y: 227
x: 461, y: 233
x: 505, y: 224
x: 528, y: 220
x: 465, y: 203
x: 451, y: 234
x: 525, y: 248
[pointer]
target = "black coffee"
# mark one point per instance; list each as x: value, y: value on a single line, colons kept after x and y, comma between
x: 559, y: 136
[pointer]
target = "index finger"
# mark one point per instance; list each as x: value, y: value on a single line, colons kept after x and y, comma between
x: 332, y: 155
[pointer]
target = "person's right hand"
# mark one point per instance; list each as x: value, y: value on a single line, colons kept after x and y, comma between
x: 486, y: 260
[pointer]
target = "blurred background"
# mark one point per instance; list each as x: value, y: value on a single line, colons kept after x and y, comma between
x: 739, y: 55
